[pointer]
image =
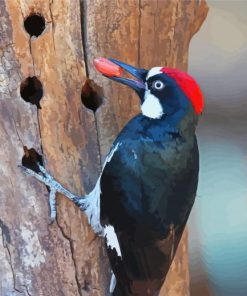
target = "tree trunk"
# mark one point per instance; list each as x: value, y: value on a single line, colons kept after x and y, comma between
x: 66, y: 258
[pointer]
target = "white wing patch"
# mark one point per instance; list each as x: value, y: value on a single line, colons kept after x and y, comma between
x: 153, y: 71
x: 91, y: 203
x: 111, y: 239
x: 151, y: 106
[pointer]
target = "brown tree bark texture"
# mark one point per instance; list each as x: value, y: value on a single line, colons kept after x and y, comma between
x: 66, y: 258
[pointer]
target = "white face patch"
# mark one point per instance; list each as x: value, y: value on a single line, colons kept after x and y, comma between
x: 151, y: 106
x: 153, y: 71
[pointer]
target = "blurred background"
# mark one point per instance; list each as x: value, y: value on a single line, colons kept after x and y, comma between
x: 218, y: 224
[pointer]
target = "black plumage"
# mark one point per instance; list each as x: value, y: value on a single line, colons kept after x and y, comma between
x: 148, y: 185
x: 149, y: 198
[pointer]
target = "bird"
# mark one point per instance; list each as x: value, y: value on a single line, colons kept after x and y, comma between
x: 147, y: 186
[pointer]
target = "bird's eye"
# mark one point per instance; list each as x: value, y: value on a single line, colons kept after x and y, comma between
x: 158, y: 85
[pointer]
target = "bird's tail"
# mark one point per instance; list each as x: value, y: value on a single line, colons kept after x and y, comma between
x: 120, y: 290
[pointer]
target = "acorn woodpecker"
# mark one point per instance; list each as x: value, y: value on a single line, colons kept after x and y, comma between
x: 144, y: 195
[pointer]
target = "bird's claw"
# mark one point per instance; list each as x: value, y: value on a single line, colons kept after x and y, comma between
x: 49, y: 181
x: 52, y: 220
x: 44, y: 177
x: 53, y: 210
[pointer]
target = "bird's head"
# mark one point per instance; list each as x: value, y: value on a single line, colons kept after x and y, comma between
x: 163, y: 91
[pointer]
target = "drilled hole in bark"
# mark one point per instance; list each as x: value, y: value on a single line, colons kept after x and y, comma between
x: 32, y: 91
x: 91, y: 95
x: 31, y: 158
x: 34, y: 24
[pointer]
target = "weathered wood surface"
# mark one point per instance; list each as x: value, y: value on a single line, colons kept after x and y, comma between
x: 66, y: 258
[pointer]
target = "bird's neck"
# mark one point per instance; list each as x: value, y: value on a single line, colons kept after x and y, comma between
x: 184, y: 121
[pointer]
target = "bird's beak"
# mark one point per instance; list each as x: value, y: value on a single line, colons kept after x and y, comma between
x: 113, y: 69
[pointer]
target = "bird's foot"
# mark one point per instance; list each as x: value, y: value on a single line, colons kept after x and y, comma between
x: 54, y: 186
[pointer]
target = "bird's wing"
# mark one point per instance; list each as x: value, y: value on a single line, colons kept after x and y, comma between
x: 147, y: 183
x: 146, y: 208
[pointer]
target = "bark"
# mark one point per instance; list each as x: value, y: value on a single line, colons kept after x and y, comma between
x: 66, y: 258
